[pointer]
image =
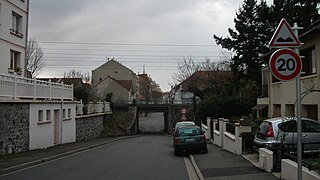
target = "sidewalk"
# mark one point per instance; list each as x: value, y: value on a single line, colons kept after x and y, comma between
x: 221, y: 164
x: 18, y: 161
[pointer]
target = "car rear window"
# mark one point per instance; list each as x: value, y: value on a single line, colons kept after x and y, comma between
x: 189, y: 131
x: 264, y: 127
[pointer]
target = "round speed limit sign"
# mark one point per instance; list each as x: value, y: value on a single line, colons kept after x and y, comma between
x: 285, y: 64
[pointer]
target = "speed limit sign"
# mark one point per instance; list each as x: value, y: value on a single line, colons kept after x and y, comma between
x: 285, y: 64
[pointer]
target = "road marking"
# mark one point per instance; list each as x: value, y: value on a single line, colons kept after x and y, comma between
x: 190, y: 169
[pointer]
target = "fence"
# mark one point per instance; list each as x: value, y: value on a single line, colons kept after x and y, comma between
x: 289, y: 151
x: 92, y: 107
x: 225, y: 134
x: 16, y: 87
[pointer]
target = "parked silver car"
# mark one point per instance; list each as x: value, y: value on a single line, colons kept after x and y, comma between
x: 283, y: 131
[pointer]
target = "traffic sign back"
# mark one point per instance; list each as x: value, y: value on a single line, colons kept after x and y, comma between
x: 284, y: 36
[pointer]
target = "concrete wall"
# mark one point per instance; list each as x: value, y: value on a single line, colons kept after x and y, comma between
x: 14, y: 127
x: 265, y: 159
x: 289, y: 171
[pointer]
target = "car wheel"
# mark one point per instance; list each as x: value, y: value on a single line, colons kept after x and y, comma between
x: 205, y: 150
x: 176, y: 152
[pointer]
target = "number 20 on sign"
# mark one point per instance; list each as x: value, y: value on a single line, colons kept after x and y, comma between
x: 285, y: 64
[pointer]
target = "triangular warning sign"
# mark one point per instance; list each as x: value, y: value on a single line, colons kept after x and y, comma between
x: 284, y: 36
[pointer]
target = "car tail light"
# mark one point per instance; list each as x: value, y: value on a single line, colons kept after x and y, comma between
x: 270, y: 131
x: 176, y: 141
x: 203, y: 137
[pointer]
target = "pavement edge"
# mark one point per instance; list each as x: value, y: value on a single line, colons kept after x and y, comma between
x: 196, y: 167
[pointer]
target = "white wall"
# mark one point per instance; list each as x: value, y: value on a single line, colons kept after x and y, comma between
x: 10, y: 41
x: 42, y: 133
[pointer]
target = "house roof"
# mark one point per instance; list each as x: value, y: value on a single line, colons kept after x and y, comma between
x: 126, y: 84
x: 112, y: 63
x: 314, y: 31
x: 201, y: 78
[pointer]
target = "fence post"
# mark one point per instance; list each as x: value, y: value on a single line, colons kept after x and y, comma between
x: 81, y: 107
x: 221, y: 130
x: 238, y: 139
x: 50, y: 89
x: 209, y: 125
x: 34, y: 89
x: 62, y: 86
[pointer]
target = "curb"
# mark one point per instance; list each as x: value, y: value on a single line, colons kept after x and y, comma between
x: 57, y: 156
x: 199, y: 174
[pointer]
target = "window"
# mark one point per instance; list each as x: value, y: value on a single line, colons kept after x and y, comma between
x: 14, y: 59
x: 16, y: 28
x: 289, y: 126
x: 48, y: 115
x: 40, y: 115
x: 69, y: 113
x: 64, y: 113
x: 309, y: 61
x: 309, y: 126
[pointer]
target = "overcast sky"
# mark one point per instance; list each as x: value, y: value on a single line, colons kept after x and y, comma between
x: 81, y: 34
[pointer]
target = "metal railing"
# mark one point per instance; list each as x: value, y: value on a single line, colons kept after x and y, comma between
x: 289, y: 151
x: 17, y: 87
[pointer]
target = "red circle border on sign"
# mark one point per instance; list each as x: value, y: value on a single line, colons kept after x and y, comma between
x: 272, y: 63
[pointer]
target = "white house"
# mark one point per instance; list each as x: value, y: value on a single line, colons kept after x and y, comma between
x: 13, y: 35
x: 34, y: 114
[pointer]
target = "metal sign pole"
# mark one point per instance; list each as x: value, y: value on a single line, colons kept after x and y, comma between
x: 298, y: 95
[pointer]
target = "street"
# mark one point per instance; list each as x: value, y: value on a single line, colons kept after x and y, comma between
x: 145, y: 157
x: 153, y: 122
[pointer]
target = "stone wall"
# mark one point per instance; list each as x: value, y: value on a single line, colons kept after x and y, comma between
x: 14, y: 127
x: 89, y: 126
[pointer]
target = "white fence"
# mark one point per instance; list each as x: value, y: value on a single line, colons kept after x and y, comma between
x: 93, y: 107
x: 17, y: 87
x: 226, y: 140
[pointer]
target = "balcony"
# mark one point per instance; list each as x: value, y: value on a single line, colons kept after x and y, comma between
x: 17, y: 87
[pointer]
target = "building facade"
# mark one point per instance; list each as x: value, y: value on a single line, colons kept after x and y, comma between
x: 13, y: 36
x: 113, y: 72
x: 279, y: 97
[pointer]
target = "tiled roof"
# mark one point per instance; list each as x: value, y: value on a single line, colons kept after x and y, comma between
x: 127, y: 84
x: 201, y: 79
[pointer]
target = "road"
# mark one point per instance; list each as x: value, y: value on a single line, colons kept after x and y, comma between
x: 154, y: 122
x: 145, y: 157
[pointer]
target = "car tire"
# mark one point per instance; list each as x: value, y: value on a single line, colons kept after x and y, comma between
x: 205, y: 150
x: 176, y: 152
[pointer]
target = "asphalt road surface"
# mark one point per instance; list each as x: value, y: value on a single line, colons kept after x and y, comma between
x: 151, y: 123
x: 145, y: 157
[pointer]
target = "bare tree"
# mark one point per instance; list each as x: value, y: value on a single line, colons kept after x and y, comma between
x: 34, y: 58
x: 77, y: 74
x: 189, y: 66
x: 186, y: 68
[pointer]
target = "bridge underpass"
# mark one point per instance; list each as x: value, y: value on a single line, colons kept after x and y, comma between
x: 151, y: 124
